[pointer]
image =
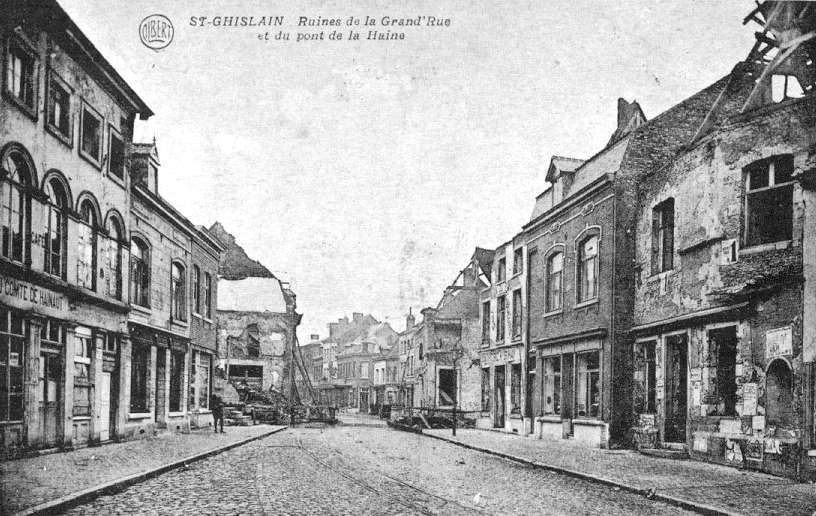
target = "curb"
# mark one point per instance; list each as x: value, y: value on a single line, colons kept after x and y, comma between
x: 671, y: 500
x: 70, y: 500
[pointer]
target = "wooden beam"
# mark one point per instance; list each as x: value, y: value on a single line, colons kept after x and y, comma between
x: 790, y: 47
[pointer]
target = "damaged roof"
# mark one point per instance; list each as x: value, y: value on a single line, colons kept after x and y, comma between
x: 251, y: 295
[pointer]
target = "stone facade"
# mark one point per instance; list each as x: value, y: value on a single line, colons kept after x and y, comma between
x: 64, y: 251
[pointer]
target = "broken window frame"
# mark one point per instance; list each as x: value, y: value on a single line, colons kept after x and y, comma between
x: 779, y: 193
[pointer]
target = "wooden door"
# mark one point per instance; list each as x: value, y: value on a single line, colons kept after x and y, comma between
x: 676, y: 388
x: 51, y: 395
x: 104, y: 406
x: 500, y: 394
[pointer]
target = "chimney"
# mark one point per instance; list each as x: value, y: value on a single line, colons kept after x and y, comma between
x: 356, y: 317
x: 409, y: 320
x: 314, y: 336
x: 343, y: 321
x: 469, y: 276
x: 333, y: 330
x: 630, y: 117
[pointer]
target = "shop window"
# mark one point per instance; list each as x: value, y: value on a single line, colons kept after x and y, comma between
x: 207, y: 295
x: 588, y: 392
x: 588, y: 269
x: 501, y: 270
x: 486, y: 323
x: 663, y: 236
x: 113, y: 259
x: 140, y: 360
x: 203, y: 369
x: 116, y: 154
x: 176, y: 379
x: 82, y: 374
x: 86, y: 245
x: 14, y: 201
x: 11, y: 366
x: 196, y: 289
x: 555, y: 269
x: 769, y: 200
x: 645, y: 394
x: 446, y: 394
x: 56, y: 224
x: 515, y: 389
x: 552, y: 385
x: 722, y: 349
x: 779, y: 395
x: 139, y: 273
x: 501, y: 312
x: 518, y: 261
x: 59, y: 108
x: 90, y: 146
x: 517, y: 310
x: 177, y: 291
x: 485, y: 389
x: 21, y: 76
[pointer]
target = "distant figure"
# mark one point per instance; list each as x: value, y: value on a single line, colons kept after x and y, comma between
x: 217, y: 408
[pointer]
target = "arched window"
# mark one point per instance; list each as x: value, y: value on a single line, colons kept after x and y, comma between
x: 207, y: 295
x: 14, y: 201
x: 113, y: 259
x: 139, y: 273
x: 86, y: 245
x: 779, y: 394
x: 55, y: 229
x: 196, y: 289
x: 179, y: 308
x: 587, y: 280
x: 555, y: 274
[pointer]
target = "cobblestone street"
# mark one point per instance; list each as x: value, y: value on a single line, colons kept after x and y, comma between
x: 364, y: 470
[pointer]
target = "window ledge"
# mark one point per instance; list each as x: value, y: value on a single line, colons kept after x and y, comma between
x: 139, y: 415
x: 175, y: 414
x: 207, y: 320
x: 773, y: 246
x: 81, y: 418
x: 554, y: 312
x: 139, y: 308
x: 55, y: 132
x: 177, y: 322
x: 583, y: 304
x: 588, y: 422
x: 118, y: 181
x: 549, y: 418
x: 90, y: 159
x: 197, y: 315
x: 22, y: 106
x: 654, y: 278
x: 516, y: 275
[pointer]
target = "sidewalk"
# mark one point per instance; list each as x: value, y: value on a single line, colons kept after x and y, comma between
x: 26, y: 483
x: 349, y: 419
x: 698, y: 485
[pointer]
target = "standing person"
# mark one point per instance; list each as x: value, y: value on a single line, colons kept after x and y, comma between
x: 217, y: 408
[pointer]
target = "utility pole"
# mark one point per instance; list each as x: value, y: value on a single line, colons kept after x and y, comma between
x: 457, y: 354
x: 291, y: 333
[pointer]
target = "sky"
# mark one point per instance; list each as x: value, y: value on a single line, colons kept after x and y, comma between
x: 366, y: 172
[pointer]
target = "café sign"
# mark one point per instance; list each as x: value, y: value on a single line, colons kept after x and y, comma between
x: 28, y: 293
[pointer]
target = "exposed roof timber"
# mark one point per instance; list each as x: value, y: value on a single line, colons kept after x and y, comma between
x: 790, y: 47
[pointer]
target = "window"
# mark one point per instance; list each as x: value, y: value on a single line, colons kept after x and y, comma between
x: 176, y: 377
x: 722, y: 347
x: 518, y: 261
x: 203, y: 370
x: 14, y: 201
x: 501, y: 271
x: 779, y: 395
x: 91, y: 135
x: 196, y: 289
x: 501, y: 308
x: 52, y: 334
x: 59, y: 108
x: 555, y: 273
x: 139, y: 273
x: 447, y: 387
x: 785, y: 87
x: 663, y: 237
x: 552, y: 385
x: 588, y: 269
x: 645, y: 387
x: 769, y: 200
x: 86, y: 246
x: 177, y: 292
x: 113, y: 259
x: 364, y: 370
x: 21, y: 76
x: 207, y: 295
x: 515, y: 389
x: 111, y: 342
x: 82, y: 372
x: 55, y: 231
x: 486, y: 323
x: 588, y: 398
x: 116, y: 154
x: 140, y: 357
x: 485, y: 389
x: 517, y: 314
x: 11, y: 366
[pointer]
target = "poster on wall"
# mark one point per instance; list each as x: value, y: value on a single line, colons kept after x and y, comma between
x: 778, y: 343
x: 749, y: 399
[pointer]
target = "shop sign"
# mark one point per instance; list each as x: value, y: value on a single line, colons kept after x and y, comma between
x: 778, y: 343
x: 28, y: 293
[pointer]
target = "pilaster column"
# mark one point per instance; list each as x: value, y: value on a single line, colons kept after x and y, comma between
x: 123, y: 405
x: 151, y: 382
x: 166, y: 380
x: 33, y: 393
x: 96, y: 393
x: 68, y: 389
x: 185, y: 383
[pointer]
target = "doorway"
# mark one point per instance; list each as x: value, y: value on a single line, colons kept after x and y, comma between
x: 676, y: 387
x: 499, y: 394
x: 104, y: 406
x: 51, y: 395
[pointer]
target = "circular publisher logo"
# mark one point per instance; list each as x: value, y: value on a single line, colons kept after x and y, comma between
x: 156, y: 31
